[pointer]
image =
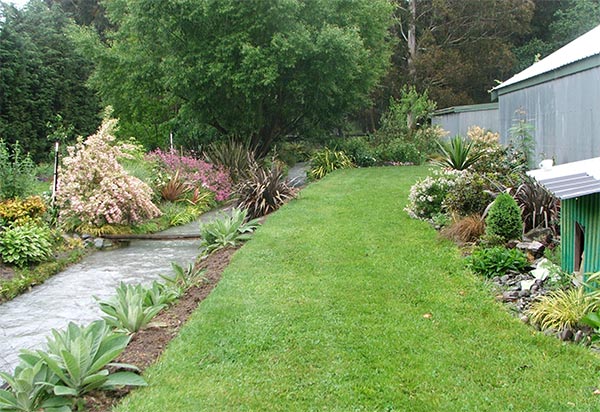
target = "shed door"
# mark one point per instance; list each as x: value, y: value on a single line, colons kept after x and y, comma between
x: 579, y: 244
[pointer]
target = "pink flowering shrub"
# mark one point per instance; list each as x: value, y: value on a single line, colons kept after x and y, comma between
x: 196, y: 172
x: 94, y: 189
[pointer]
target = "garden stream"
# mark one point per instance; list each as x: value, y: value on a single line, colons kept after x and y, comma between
x: 69, y: 296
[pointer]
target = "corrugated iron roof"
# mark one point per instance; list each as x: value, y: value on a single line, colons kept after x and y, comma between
x: 570, y: 180
x: 587, y: 45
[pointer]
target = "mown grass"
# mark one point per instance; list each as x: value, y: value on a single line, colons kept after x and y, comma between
x: 323, y: 310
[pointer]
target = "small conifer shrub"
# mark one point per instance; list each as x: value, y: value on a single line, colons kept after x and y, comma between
x: 504, y: 218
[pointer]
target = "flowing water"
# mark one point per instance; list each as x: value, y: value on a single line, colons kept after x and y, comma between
x: 69, y: 296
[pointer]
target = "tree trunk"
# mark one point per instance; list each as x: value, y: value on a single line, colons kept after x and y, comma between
x: 412, y: 40
x: 412, y: 55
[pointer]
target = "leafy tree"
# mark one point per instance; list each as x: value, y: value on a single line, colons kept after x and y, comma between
x: 555, y: 24
x: 257, y: 69
x: 456, y: 49
x: 85, y: 13
x: 41, y: 75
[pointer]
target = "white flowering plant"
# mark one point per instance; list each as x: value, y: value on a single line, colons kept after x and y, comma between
x: 426, y: 198
x: 95, y: 190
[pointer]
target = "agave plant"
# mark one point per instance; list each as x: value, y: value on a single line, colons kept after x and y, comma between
x: 227, y: 230
x: 265, y: 190
x: 80, y: 357
x: 539, y: 207
x: 326, y: 161
x: 457, y: 154
x: 30, y: 388
x: 182, y: 279
x: 127, y: 310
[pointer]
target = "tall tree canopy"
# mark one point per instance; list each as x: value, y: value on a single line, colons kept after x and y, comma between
x: 256, y: 69
x: 457, y: 48
x: 554, y: 24
x: 41, y: 76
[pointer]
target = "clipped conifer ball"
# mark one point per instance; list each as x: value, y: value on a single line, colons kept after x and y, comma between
x: 504, y: 218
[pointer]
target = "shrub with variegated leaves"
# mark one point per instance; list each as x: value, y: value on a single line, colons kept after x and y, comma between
x: 94, y: 189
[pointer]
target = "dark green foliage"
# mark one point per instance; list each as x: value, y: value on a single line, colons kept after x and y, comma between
x: 264, y: 191
x: 365, y: 151
x: 294, y: 151
x: 256, y: 69
x: 469, y: 196
x: 497, y: 261
x: 41, y: 75
x: 16, y: 171
x: 399, y: 151
x: 405, y: 133
x: 359, y: 149
x: 22, y: 245
x: 556, y: 23
x: 504, y: 218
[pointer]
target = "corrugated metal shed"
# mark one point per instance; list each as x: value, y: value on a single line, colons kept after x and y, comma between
x: 577, y: 184
x: 458, y: 119
x: 570, y: 180
x: 581, y: 48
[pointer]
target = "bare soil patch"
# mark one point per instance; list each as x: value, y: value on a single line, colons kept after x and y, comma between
x: 147, y: 345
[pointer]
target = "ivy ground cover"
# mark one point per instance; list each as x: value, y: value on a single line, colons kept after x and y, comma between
x: 341, y: 302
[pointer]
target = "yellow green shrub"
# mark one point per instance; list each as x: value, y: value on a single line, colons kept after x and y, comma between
x: 20, y: 211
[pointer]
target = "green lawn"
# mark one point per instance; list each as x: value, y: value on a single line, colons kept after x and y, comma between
x: 323, y: 311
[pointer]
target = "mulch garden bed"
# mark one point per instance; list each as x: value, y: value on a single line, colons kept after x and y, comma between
x: 148, y: 344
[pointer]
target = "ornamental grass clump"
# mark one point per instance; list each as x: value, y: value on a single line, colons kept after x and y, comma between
x: 95, y: 190
x: 561, y: 309
x: 326, y: 161
x: 504, y: 218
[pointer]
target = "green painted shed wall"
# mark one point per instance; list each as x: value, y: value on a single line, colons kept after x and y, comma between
x: 585, y: 211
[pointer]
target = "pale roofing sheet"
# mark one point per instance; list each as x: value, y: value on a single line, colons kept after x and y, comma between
x: 570, y: 180
x: 586, y: 45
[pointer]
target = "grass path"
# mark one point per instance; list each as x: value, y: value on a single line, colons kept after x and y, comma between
x: 323, y: 311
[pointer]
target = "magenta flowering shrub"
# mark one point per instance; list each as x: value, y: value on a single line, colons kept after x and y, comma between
x: 196, y: 172
x: 94, y: 189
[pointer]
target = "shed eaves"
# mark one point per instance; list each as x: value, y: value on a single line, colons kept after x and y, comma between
x: 570, y: 180
x: 587, y: 45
